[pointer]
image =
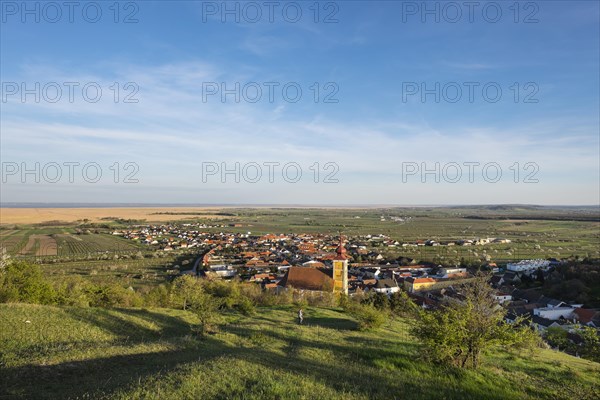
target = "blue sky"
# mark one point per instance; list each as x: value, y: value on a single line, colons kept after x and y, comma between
x: 368, y: 58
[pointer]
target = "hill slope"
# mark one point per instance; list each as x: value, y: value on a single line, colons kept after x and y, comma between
x: 139, y: 353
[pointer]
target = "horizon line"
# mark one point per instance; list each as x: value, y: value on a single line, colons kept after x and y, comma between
x: 271, y: 205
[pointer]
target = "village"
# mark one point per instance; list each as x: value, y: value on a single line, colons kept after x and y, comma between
x: 304, y: 262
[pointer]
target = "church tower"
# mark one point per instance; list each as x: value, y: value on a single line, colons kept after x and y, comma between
x: 340, y: 269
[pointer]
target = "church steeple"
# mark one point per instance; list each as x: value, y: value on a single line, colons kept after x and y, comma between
x: 340, y: 268
x: 341, y: 250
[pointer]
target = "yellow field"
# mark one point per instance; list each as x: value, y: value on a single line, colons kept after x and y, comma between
x: 40, y: 215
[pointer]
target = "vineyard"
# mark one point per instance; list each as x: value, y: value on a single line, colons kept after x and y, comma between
x: 60, y: 242
x: 93, y: 243
x: 13, y: 240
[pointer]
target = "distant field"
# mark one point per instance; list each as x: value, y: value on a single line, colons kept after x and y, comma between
x: 66, y: 352
x: 531, y: 238
x: 29, y: 216
x: 92, y: 243
x: 534, y: 232
x: 49, y: 242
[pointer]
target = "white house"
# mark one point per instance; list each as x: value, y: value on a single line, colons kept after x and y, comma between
x: 527, y: 265
x: 224, y: 271
x: 387, y: 286
x: 554, y: 313
x: 501, y: 297
x: 452, y: 271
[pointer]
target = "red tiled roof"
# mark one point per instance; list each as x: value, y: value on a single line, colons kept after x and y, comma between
x: 585, y: 315
x: 421, y: 280
x: 306, y: 279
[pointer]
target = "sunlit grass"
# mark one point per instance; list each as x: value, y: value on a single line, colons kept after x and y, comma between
x: 151, y: 354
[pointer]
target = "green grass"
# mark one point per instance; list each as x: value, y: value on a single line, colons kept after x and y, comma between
x: 151, y: 354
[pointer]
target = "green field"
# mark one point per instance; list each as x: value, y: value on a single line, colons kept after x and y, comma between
x: 92, y: 243
x: 151, y: 354
x: 65, y: 242
x: 547, y: 232
x: 125, y: 272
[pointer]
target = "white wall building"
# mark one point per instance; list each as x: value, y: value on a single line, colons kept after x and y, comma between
x: 554, y: 313
x: 527, y: 265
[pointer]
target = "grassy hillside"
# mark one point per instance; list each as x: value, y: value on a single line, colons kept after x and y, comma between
x: 150, y: 354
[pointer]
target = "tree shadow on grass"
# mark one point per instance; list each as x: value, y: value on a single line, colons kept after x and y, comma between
x: 348, y: 367
x: 341, y: 324
x: 363, y: 376
x: 97, y: 377
x: 112, y: 321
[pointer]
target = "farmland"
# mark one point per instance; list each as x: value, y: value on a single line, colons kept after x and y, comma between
x: 93, y: 243
x: 9, y: 215
x: 47, y: 242
x: 90, y: 250
x: 137, y: 273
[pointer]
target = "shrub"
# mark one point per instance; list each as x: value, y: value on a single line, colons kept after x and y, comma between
x: 344, y: 302
x: 245, y: 306
x: 73, y: 291
x: 368, y: 317
x: 228, y: 292
x: 157, y: 297
x: 24, y: 282
x: 113, y: 296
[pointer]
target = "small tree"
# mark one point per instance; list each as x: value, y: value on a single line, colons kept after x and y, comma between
x: 368, y: 317
x: 184, y: 289
x: 206, y: 307
x: 557, y: 337
x: 591, y: 343
x: 461, y: 330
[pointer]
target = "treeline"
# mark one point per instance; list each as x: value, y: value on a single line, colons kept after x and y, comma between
x: 575, y: 282
x: 25, y: 282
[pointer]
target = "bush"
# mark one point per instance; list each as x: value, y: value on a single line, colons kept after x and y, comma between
x: 73, y: 291
x: 157, y: 297
x: 245, y: 306
x: 344, y: 302
x: 228, y: 292
x: 113, y: 296
x: 368, y: 317
x: 183, y: 291
x: 24, y: 282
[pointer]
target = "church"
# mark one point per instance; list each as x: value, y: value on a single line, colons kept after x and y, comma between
x: 318, y: 278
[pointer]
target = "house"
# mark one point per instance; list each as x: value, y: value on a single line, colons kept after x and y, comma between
x: 387, y: 286
x: 416, y: 284
x: 453, y: 272
x: 527, y: 265
x: 529, y: 296
x: 554, y: 313
x: 502, y: 297
x: 587, y: 317
x: 224, y: 271
x: 541, y: 323
x: 497, y: 281
x: 313, y: 264
x: 550, y: 302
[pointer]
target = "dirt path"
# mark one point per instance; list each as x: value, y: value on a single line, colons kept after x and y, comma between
x: 40, y: 245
